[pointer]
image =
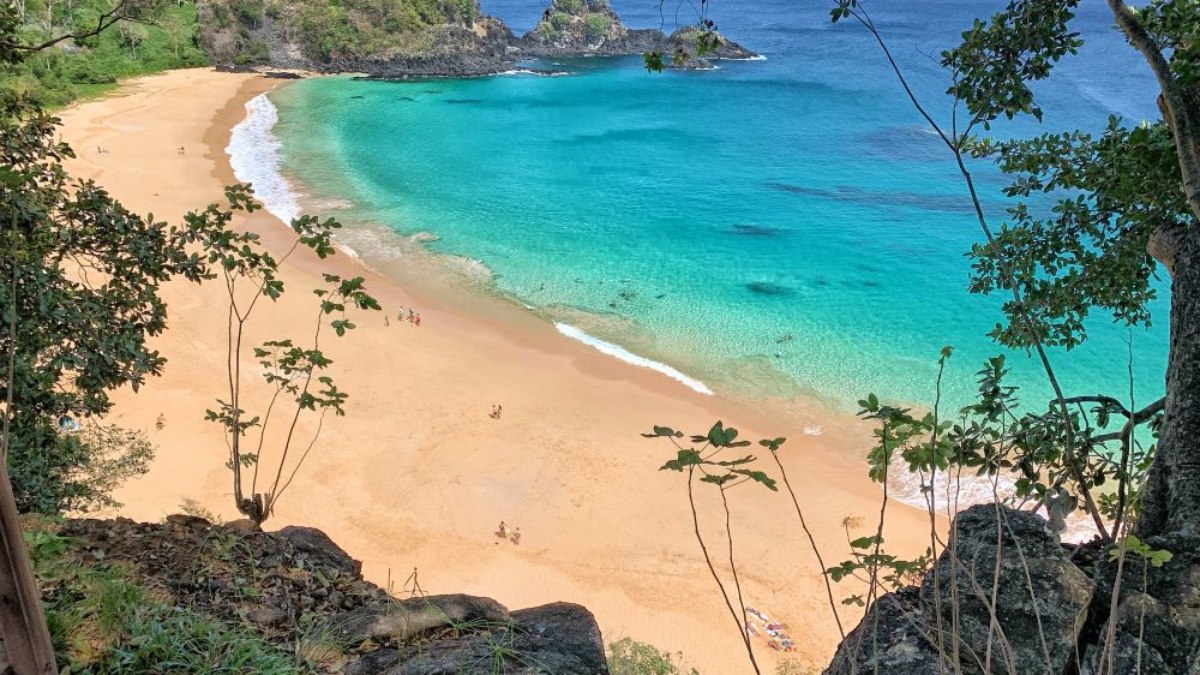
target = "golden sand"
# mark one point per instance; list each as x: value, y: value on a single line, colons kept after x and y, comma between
x: 418, y: 475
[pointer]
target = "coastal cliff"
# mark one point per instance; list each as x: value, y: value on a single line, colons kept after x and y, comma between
x: 394, y: 39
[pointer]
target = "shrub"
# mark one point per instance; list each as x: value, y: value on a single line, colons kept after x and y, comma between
x: 597, y: 26
x: 560, y: 20
x: 81, y: 471
x: 568, y: 6
x: 630, y: 657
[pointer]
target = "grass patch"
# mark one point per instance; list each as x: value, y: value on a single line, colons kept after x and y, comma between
x: 102, y: 621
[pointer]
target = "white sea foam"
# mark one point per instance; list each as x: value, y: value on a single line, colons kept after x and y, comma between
x: 254, y: 156
x: 968, y: 490
x: 629, y: 357
x: 540, y: 73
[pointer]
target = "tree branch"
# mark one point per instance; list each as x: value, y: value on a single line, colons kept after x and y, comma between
x: 103, y: 23
x: 1181, y: 117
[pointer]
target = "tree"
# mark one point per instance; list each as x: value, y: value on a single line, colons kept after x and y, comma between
x: 1127, y: 198
x: 78, y: 301
x: 293, y: 373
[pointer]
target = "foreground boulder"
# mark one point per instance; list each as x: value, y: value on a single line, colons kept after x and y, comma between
x: 1003, y: 563
x: 556, y: 639
x: 1157, y: 627
x: 297, y: 589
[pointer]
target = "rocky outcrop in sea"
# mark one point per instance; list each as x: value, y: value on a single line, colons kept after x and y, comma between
x: 292, y: 36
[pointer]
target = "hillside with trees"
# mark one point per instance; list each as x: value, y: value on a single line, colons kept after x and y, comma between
x: 152, y: 37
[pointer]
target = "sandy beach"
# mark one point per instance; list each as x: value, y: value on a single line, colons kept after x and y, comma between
x: 418, y: 475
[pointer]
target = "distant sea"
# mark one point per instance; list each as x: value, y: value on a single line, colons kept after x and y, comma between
x: 774, y: 228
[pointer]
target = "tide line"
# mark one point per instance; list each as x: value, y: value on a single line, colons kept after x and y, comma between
x: 631, y: 358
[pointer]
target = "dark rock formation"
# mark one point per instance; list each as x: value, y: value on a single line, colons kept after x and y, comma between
x: 309, y: 35
x: 1013, y: 564
x: 316, y: 548
x: 403, y: 619
x: 453, y: 51
x: 574, y: 28
x: 688, y: 38
x: 903, y: 647
x: 556, y: 639
x: 1157, y: 627
x: 1040, y: 598
x: 281, y: 585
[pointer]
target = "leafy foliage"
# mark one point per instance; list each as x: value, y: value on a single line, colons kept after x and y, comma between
x: 724, y: 473
x: 81, y: 470
x: 157, y: 36
x: 994, y: 436
x: 292, y: 372
x: 630, y: 657
x: 79, y: 280
x: 327, y: 31
x: 1152, y: 556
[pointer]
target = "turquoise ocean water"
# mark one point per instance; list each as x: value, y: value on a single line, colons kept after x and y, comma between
x: 697, y: 218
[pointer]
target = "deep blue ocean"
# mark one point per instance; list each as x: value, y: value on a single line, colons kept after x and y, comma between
x: 699, y: 219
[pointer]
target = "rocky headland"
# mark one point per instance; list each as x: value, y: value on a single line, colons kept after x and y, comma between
x: 431, y: 38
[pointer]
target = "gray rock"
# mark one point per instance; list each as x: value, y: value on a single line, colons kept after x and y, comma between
x: 565, y: 635
x: 400, y: 620
x: 1016, y: 564
x: 313, y: 543
x: 556, y: 639
x: 188, y: 522
x: 902, y: 647
x: 377, y: 662
x: 267, y: 616
x: 1158, y: 613
x: 1012, y: 563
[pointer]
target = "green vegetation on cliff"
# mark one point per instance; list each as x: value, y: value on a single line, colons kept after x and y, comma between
x: 237, y: 31
x: 590, y: 21
x: 156, y: 38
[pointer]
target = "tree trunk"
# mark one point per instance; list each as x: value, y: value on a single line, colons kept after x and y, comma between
x: 1171, y: 500
x: 1172, y: 495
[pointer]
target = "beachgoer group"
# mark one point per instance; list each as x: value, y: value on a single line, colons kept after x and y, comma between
x: 497, y: 411
x: 512, y: 534
x: 414, y: 317
x: 777, y: 639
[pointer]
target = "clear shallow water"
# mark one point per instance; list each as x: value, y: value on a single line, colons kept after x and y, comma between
x: 696, y: 218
